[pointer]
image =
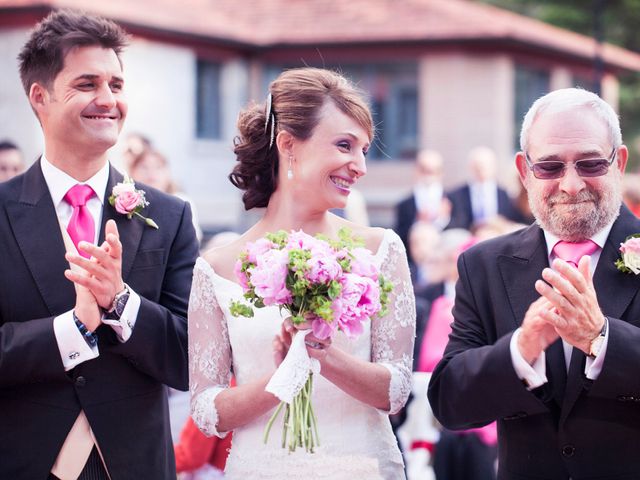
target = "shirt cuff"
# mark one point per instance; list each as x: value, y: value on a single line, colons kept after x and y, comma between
x: 532, y: 376
x: 124, y: 326
x: 593, y: 366
x: 74, y: 349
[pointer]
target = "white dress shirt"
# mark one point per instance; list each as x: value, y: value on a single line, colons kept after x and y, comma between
x: 72, y: 345
x: 428, y: 199
x: 484, y: 200
x: 535, y: 375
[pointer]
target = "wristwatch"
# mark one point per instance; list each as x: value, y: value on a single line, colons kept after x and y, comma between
x: 596, y: 343
x: 119, y: 302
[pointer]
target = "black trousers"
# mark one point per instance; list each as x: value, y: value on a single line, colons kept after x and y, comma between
x: 93, y: 469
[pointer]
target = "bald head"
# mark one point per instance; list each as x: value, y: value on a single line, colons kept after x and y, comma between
x: 482, y: 164
x: 428, y: 167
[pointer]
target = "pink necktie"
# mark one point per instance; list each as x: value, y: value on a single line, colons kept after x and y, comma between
x: 573, y: 252
x: 81, y: 226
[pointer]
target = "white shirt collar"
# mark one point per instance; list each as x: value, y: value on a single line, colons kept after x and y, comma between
x: 60, y: 182
x: 599, y: 238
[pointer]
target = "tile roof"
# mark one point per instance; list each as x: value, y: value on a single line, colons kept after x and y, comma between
x: 273, y: 23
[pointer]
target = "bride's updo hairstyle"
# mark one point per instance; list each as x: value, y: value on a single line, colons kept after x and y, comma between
x: 294, y: 103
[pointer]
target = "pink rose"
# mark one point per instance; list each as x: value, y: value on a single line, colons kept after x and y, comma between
x: 269, y: 277
x: 358, y: 302
x: 362, y: 263
x: 631, y: 254
x: 257, y: 248
x: 241, y: 276
x: 323, y: 329
x: 127, y: 202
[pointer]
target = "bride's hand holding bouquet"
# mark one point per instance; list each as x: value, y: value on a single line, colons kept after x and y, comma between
x: 324, y: 285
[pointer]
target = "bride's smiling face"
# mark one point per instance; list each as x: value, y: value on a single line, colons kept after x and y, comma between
x: 327, y: 165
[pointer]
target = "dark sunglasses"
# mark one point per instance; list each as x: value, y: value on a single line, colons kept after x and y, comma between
x: 551, y: 169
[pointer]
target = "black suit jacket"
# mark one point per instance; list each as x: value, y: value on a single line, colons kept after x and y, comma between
x: 121, y: 391
x: 572, y: 426
x: 462, y: 211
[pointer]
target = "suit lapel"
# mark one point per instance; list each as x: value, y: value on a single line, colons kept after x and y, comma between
x: 130, y: 230
x: 519, y: 273
x: 33, y: 218
x: 521, y: 269
x: 615, y: 290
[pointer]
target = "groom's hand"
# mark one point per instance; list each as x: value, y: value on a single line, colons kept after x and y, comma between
x: 105, y: 267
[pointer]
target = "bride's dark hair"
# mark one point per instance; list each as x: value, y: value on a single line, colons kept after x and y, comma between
x: 297, y: 97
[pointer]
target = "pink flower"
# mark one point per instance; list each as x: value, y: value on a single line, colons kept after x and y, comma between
x: 241, y: 276
x: 323, y: 329
x: 323, y: 267
x: 127, y: 201
x: 362, y: 263
x: 631, y: 254
x: 359, y: 301
x: 269, y: 277
x: 257, y: 248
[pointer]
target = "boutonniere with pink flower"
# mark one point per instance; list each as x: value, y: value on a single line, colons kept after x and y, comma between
x: 332, y: 285
x: 130, y: 201
x: 630, y: 255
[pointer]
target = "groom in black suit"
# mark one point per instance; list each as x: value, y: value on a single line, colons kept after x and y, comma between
x: 544, y: 341
x: 93, y: 302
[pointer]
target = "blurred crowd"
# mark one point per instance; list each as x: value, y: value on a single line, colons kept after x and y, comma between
x: 436, y: 224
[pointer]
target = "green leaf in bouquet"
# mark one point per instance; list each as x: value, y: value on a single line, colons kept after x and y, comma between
x: 297, y: 319
x: 334, y: 290
x: 239, y: 309
x: 321, y: 306
x: 279, y: 237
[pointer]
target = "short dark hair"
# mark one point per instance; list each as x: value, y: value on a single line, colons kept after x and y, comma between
x: 8, y: 145
x: 42, y: 57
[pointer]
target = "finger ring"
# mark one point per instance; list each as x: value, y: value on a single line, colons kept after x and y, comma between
x: 316, y: 345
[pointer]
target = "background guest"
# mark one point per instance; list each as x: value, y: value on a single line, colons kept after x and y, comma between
x: 427, y: 202
x: 11, y: 161
x: 152, y: 168
x: 481, y: 198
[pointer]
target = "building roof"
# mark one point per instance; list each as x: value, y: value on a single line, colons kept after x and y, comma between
x: 299, y: 23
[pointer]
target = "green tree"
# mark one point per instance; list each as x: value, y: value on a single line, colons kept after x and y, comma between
x: 619, y: 22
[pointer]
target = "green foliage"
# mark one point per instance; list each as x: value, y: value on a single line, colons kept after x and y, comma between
x: 620, y: 20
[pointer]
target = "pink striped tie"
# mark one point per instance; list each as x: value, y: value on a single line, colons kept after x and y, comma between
x: 81, y: 226
x: 573, y: 252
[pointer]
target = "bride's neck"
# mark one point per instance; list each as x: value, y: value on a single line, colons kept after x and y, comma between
x: 286, y: 213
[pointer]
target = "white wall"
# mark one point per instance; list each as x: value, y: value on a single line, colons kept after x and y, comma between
x: 467, y: 101
x: 17, y: 121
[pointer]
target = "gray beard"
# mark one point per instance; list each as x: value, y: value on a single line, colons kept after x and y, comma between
x: 579, y: 222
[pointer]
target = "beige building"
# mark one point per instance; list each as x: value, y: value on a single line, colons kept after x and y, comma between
x: 443, y: 74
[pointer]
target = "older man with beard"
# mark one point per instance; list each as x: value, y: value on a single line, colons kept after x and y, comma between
x: 546, y: 331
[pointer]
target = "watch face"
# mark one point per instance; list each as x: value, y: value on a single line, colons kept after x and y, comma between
x: 121, y: 302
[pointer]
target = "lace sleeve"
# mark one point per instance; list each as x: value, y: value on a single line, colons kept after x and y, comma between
x: 392, y: 336
x: 209, y: 350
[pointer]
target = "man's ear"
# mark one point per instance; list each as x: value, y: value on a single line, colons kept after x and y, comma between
x: 38, y: 97
x: 622, y: 157
x: 521, y: 165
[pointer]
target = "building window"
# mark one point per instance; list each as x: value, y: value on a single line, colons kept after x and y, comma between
x: 208, y: 100
x: 531, y: 84
x: 393, y: 95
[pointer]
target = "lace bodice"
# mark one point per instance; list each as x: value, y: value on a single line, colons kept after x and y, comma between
x: 351, y: 433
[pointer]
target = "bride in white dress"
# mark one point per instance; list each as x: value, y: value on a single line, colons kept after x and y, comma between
x: 300, y: 160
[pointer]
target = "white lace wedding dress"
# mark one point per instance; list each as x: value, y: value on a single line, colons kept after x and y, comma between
x: 356, y: 440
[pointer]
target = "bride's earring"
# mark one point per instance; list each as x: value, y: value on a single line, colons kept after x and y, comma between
x: 290, y: 169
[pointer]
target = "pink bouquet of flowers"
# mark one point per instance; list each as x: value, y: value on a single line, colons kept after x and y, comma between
x: 333, y: 285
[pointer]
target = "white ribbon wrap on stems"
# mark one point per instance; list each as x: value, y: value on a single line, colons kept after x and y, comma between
x: 293, y: 372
